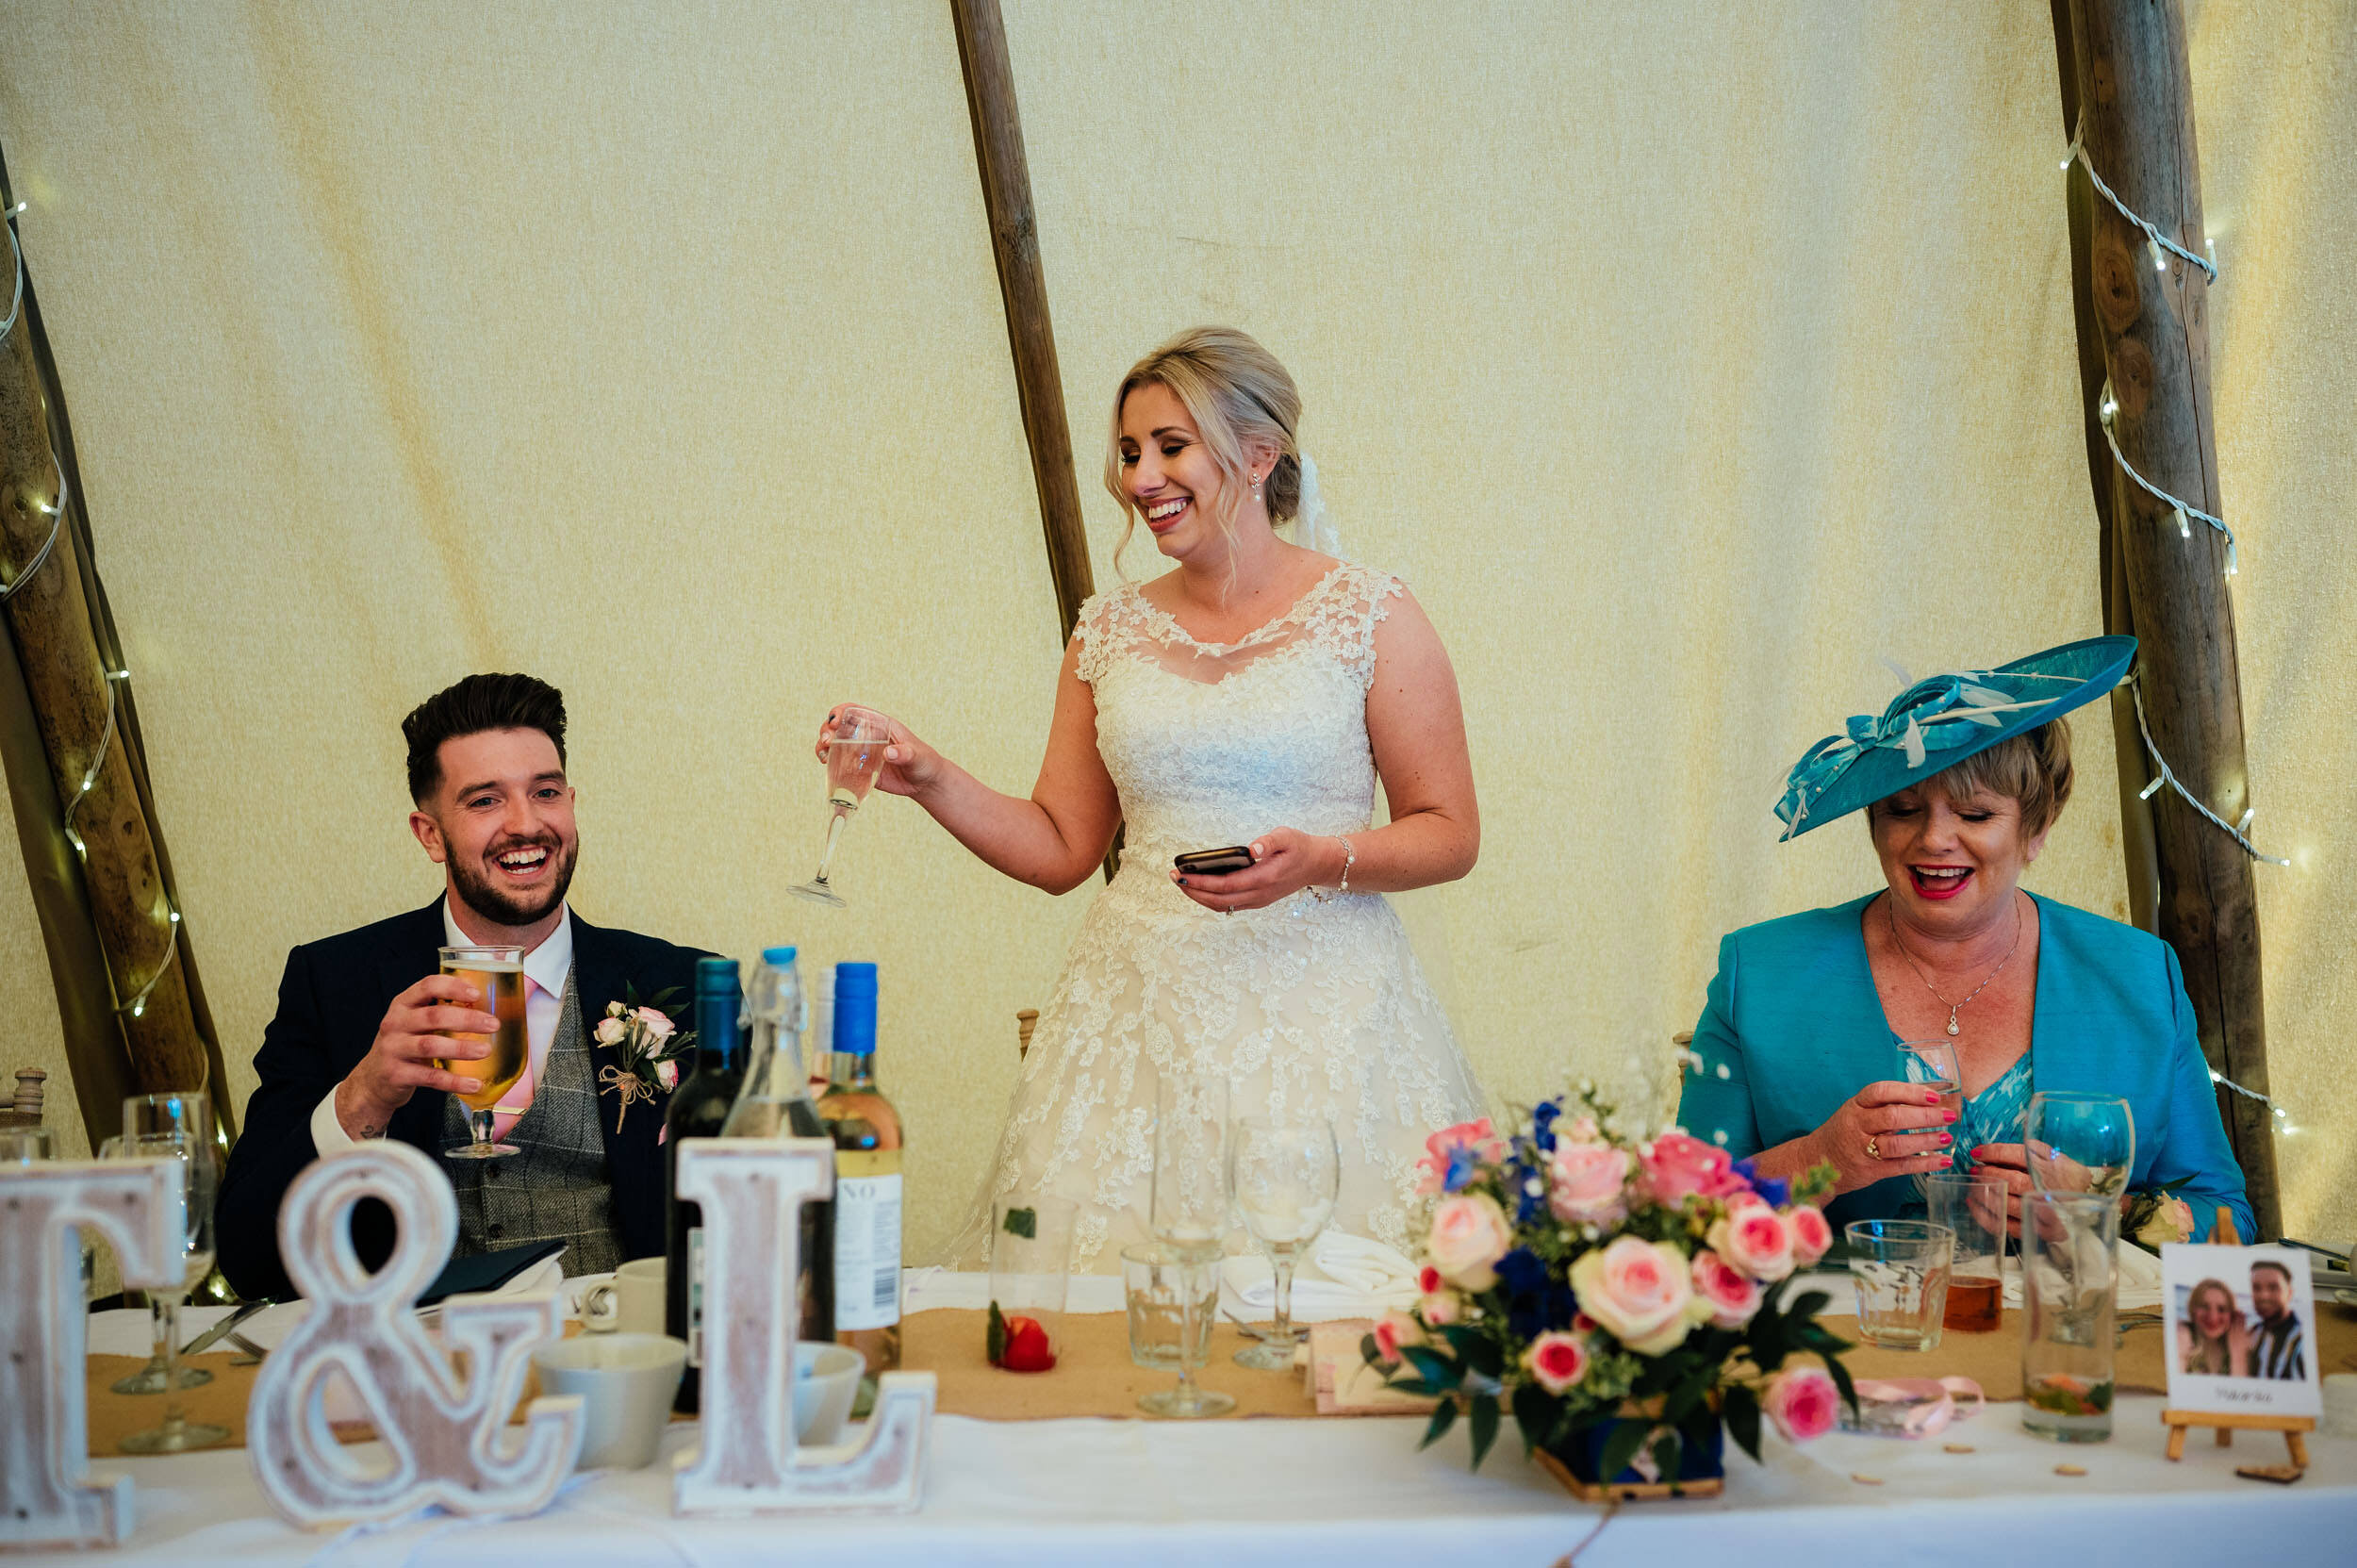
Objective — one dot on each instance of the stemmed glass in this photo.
(1284, 1181)
(855, 749)
(177, 1127)
(1190, 1219)
(2080, 1143)
(1933, 1064)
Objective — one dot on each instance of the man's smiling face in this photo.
(501, 822)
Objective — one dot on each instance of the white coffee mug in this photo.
(631, 1302)
(626, 1384)
(826, 1383)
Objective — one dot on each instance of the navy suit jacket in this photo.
(330, 1002)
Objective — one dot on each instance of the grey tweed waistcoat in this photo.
(559, 1187)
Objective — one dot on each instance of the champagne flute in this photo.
(498, 973)
(1190, 1218)
(1284, 1181)
(855, 751)
(2080, 1143)
(177, 1127)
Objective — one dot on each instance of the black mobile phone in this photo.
(1214, 863)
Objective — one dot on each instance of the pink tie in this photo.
(518, 1099)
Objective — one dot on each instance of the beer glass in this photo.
(1974, 1208)
(2071, 1300)
(499, 974)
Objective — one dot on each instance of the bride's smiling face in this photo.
(1170, 473)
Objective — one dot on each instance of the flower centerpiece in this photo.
(649, 1043)
(1617, 1297)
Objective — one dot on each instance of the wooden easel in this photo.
(2294, 1428)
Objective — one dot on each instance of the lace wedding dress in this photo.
(1311, 1004)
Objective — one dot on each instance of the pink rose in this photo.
(1585, 1182)
(610, 1031)
(1582, 1131)
(1429, 1281)
(659, 1026)
(1556, 1360)
(667, 1074)
(1812, 1238)
(1468, 1236)
(1754, 1238)
(2171, 1221)
(1802, 1403)
(1678, 1167)
(1477, 1136)
(1731, 1296)
(1638, 1290)
(1441, 1307)
(1392, 1330)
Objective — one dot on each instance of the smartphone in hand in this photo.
(1214, 863)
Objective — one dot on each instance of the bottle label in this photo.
(867, 1244)
(695, 1297)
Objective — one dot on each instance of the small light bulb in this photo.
(2184, 529)
(138, 1008)
(2110, 407)
(2159, 262)
(2244, 825)
(2152, 789)
(176, 916)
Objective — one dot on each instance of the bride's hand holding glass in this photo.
(1284, 861)
(909, 764)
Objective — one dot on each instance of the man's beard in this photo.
(479, 893)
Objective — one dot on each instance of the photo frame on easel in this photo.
(2237, 1326)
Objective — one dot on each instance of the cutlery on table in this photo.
(227, 1327)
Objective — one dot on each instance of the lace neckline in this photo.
(1290, 612)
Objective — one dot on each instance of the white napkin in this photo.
(1363, 1277)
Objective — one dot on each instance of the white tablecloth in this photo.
(1132, 1493)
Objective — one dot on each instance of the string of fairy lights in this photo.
(136, 1004)
(2161, 247)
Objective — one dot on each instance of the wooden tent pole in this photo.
(2133, 94)
(1015, 242)
(134, 1017)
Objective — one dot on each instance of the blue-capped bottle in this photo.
(868, 1148)
(700, 1107)
(775, 1103)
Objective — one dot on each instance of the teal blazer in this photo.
(1792, 1027)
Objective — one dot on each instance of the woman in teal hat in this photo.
(1960, 779)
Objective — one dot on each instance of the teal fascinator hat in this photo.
(1937, 724)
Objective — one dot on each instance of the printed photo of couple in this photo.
(2237, 1329)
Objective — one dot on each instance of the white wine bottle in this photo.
(868, 1145)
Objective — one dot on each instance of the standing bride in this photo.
(1251, 696)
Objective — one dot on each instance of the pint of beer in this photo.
(498, 973)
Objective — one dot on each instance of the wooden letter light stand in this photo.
(2294, 1428)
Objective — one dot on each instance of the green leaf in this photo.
(1666, 1455)
(1432, 1366)
(1536, 1412)
(1620, 1447)
(1842, 1381)
(1807, 1304)
(1443, 1417)
(1369, 1351)
(1416, 1386)
(1742, 1413)
(1023, 1223)
(1483, 1423)
(1689, 1394)
(1475, 1350)
(995, 1339)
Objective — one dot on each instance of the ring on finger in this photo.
(1874, 1148)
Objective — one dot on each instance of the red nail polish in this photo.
(1945, 1140)
(1948, 1116)
(1930, 1099)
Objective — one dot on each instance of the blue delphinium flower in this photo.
(1463, 1165)
(1542, 1124)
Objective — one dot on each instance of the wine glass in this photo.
(177, 1127)
(855, 750)
(1190, 1219)
(1933, 1064)
(1283, 1180)
(150, 1378)
(2080, 1143)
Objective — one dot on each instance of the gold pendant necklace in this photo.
(1952, 1007)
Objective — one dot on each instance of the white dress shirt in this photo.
(546, 969)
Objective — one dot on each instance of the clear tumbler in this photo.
(2069, 1295)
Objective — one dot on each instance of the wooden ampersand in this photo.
(44, 1439)
(441, 1429)
(751, 1191)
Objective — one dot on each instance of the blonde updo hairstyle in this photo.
(1239, 397)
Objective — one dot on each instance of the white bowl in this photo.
(826, 1383)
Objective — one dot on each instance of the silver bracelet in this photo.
(1350, 858)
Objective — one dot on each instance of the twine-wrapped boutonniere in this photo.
(649, 1044)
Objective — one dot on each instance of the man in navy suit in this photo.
(362, 1016)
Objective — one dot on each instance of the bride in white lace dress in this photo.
(1252, 696)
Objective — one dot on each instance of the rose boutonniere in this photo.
(649, 1043)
